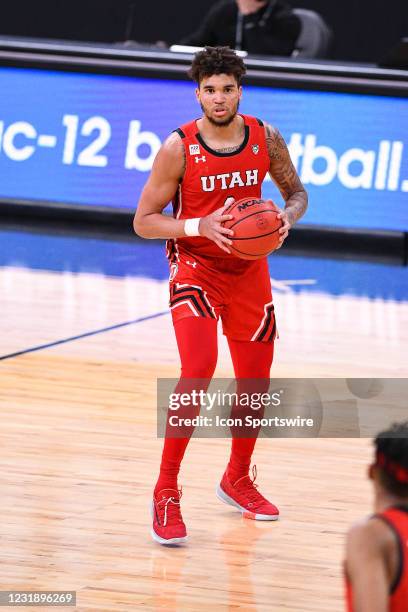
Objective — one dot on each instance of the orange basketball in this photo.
(256, 227)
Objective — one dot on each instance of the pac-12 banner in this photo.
(91, 139)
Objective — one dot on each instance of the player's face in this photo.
(219, 96)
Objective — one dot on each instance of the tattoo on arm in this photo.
(275, 143)
(284, 174)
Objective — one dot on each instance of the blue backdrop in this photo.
(91, 139)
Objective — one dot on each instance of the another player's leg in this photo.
(197, 344)
(252, 363)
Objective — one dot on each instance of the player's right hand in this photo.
(211, 226)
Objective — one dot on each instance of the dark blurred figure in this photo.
(80, 20)
(257, 26)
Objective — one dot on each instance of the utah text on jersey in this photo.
(229, 180)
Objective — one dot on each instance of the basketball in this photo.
(256, 227)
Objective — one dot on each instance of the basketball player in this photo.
(376, 563)
(203, 167)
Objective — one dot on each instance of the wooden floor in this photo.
(79, 453)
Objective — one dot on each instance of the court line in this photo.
(80, 336)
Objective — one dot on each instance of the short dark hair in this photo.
(216, 60)
(392, 458)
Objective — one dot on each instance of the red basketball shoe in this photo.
(244, 495)
(168, 526)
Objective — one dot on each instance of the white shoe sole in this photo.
(246, 513)
(163, 541)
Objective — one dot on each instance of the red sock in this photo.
(173, 453)
(197, 344)
(251, 360)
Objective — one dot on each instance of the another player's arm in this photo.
(366, 552)
(285, 177)
(166, 175)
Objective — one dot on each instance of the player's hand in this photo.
(211, 226)
(284, 230)
(247, 7)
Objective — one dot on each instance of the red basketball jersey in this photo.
(211, 177)
(397, 519)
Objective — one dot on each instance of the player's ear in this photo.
(197, 93)
(370, 471)
(240, 91)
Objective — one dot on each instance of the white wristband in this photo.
(191, 227)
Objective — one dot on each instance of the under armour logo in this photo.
(191, 263)
(198, 159)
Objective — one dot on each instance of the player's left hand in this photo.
(284, 230)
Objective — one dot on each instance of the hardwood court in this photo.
(80, 454)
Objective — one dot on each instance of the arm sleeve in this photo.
(276, 35)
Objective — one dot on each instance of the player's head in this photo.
(218, 72)
(390, 469)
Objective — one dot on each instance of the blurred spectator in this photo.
(79, 20)
(257, 26)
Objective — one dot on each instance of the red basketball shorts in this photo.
(235, 290)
